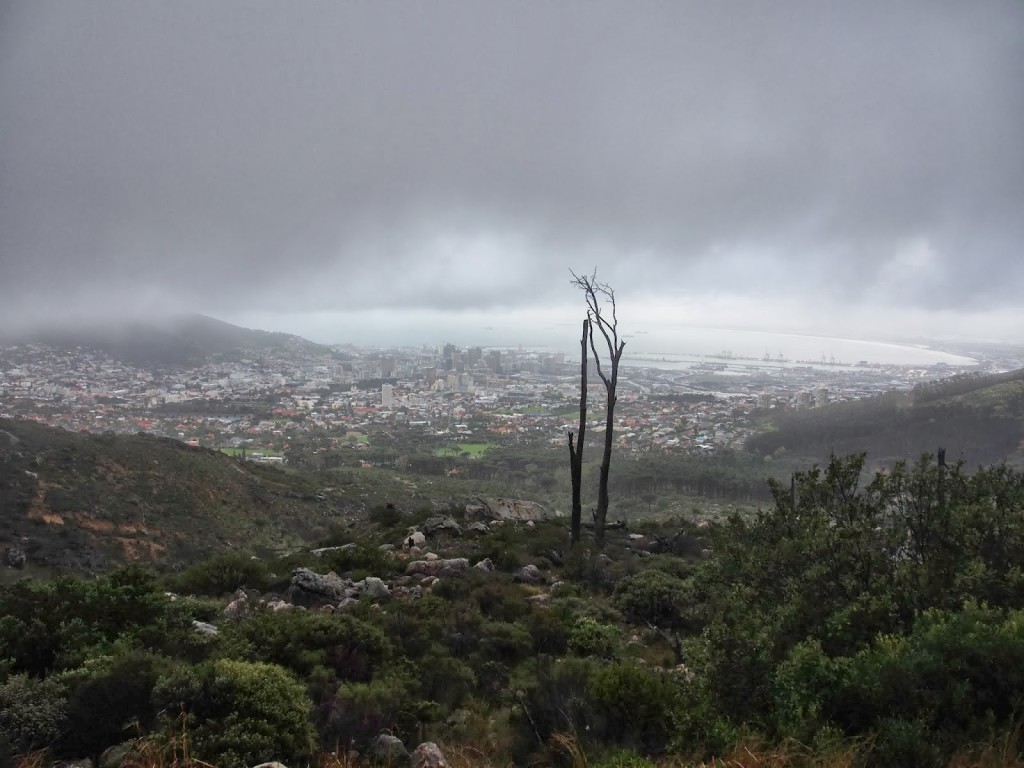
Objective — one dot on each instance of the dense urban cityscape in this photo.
(260, 400)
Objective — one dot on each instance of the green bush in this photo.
(504, 642)
(239, 713)
(32, 714)
(635, 705)
(107, 698)
(360, 711)
(302, 641)
(53, 625)
(223, 574)
(652, 597)
(588, 637)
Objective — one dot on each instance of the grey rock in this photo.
(15, 557)
(273, 764)
(486, 565)
(237, 608)
(343, 548)
(456, 566)
(389, 750)
(428, 755)
(202, 628)
(117, 755)
(529, 574)
(375, 589)
(479, 527)
(442, 523)
(508, 509)
(308, 587)
(415, 539)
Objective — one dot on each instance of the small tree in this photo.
(600, 304)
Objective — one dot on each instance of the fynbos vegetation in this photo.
(872, 621)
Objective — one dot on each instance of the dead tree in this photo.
(601, 300)
(576, 441)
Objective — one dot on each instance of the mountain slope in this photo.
(83, 502)
(979, 419)
(171, 341)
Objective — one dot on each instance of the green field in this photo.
(474, 450)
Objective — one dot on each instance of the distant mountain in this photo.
(82, 502)
(173, 341)
(977, 418)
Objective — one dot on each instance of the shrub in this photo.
(31, 714)
(304, 640)
(651, 597)
(239, 713)
(360, 711)
(588, 637)
(635, 706)
(222, 574)
(105, 697)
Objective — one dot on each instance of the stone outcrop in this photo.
(389, 750)
(441, 524)
(309, 588)
(507, 509)
(529, 574)
(428, 755)
(441, 569)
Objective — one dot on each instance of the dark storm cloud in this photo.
(233, 155)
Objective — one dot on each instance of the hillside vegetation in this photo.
(83, 502)
(848, 623)
(977, 418)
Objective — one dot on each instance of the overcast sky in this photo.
(354, 169)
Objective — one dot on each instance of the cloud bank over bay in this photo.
(338, 168)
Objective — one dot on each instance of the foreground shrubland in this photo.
(852, 622)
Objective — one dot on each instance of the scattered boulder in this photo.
(389, 750)
(456, 566)
(443, 523)
(343, 548)
(415, 539)
(117, 755)
(486, 565)
(15, 557)
(374, 589)
(480, 528)
(309, 588)
(237, 609)
(273, 764)
(529, 574)
(508, 509)
(428, 755)
(202, 628)
(277, 604)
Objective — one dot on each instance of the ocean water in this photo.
(679, 347)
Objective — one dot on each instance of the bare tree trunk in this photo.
(576, 451)
(600, 296)
(601, 513)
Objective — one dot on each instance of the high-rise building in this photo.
(387, 396)
(821, 397)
